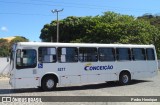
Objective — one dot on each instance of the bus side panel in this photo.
(29, 83)
(137, 69)
(69, 80)
(26, 78)
(93, 72)
(97, 78)
(143, 69)
(114, 73)
(69, 73)
(152, 69)
(122, 66)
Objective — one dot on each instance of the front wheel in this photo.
(49, 83)
(124, 78)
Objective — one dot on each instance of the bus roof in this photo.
(49, 44)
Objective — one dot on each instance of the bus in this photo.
(48, 65)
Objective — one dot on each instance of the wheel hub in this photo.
(50, 83)
(125, 78)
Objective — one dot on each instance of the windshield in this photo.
(26, 58)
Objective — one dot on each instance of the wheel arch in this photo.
(52, 75)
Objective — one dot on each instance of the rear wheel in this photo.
(124, 78)
(49, 83)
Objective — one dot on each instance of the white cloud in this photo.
(4, 29)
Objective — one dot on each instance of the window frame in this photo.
(47, 54)
(113, 54)
(84, 58)
(153, 54)
(118, 55)
(21, 60)
(59, 55)
(143, 52)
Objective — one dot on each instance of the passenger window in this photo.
(150, 54)
(47, 54)
(67, 54)
(88, 54)
(106, 54)
(138, 54)
(26, 58)
(123, 54)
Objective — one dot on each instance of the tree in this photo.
(71, 28)
(108, 28)
(4, 48)
(18, 39)
(153, 19)
(5, 45)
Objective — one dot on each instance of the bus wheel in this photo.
(124, 78)
(49, 83)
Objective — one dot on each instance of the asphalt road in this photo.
(146, 87)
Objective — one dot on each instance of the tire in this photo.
(49, 83)
(124, 78)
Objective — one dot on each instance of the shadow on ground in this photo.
(71, 88)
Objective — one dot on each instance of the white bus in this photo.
(39, 64)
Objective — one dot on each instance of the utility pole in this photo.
(57, 11)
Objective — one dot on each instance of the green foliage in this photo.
(18, 39)
(107, 28)
(4, 48)
(154, 20)
(5, 45)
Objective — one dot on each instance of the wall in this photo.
(4, 66)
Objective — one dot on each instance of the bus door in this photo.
(26, 68)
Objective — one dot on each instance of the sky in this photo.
(27, 17)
